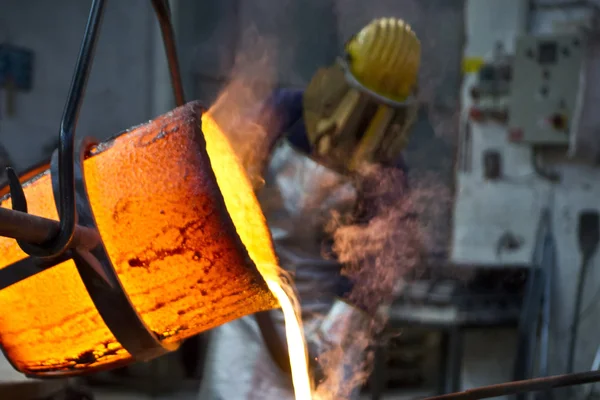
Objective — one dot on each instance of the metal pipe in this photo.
(67, 209)
(163, 13)
(548, 268)
(530, 385)
(66, 149)
(34, 229)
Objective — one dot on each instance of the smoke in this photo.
(377, 252)
(346, 366)
(237, 107)
(380, 250)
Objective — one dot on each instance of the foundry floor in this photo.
(113, 394)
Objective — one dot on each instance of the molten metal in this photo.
(250, 226)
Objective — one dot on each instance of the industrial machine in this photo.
(527, 115)
(527, 193)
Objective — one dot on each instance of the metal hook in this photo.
(66, 203)
(66, 210)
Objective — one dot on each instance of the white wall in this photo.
(120, 91)
(491, 21)
(487, 22)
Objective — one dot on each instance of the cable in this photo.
(583, 315)
(540, 171)
(587, 311)
(589, 236)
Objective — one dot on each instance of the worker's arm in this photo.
(340, 345)
(281, 115)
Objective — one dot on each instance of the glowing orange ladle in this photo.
(184, 233)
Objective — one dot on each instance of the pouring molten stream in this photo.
(250, 226)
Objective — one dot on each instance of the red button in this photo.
(559, 122)
(515, 135)
(476, 114)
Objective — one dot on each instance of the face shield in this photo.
(361, 109)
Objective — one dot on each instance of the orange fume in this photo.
(185, 234)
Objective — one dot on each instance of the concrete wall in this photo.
(121, 87)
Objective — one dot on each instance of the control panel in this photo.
(544, 88)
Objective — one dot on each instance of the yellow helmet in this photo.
(361, 109)
(385, 56)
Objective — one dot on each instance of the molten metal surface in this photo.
(170, 231)
(250, 226)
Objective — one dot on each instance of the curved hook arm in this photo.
(66, 150)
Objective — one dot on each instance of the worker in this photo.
(355, 113)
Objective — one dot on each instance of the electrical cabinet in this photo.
(545, 88)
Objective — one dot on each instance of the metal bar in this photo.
(163, 13)
(64, 236)
(454, 360)
(34, 229)
(548, 266)
(28, 267)
(531, 385)
(66, 149)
